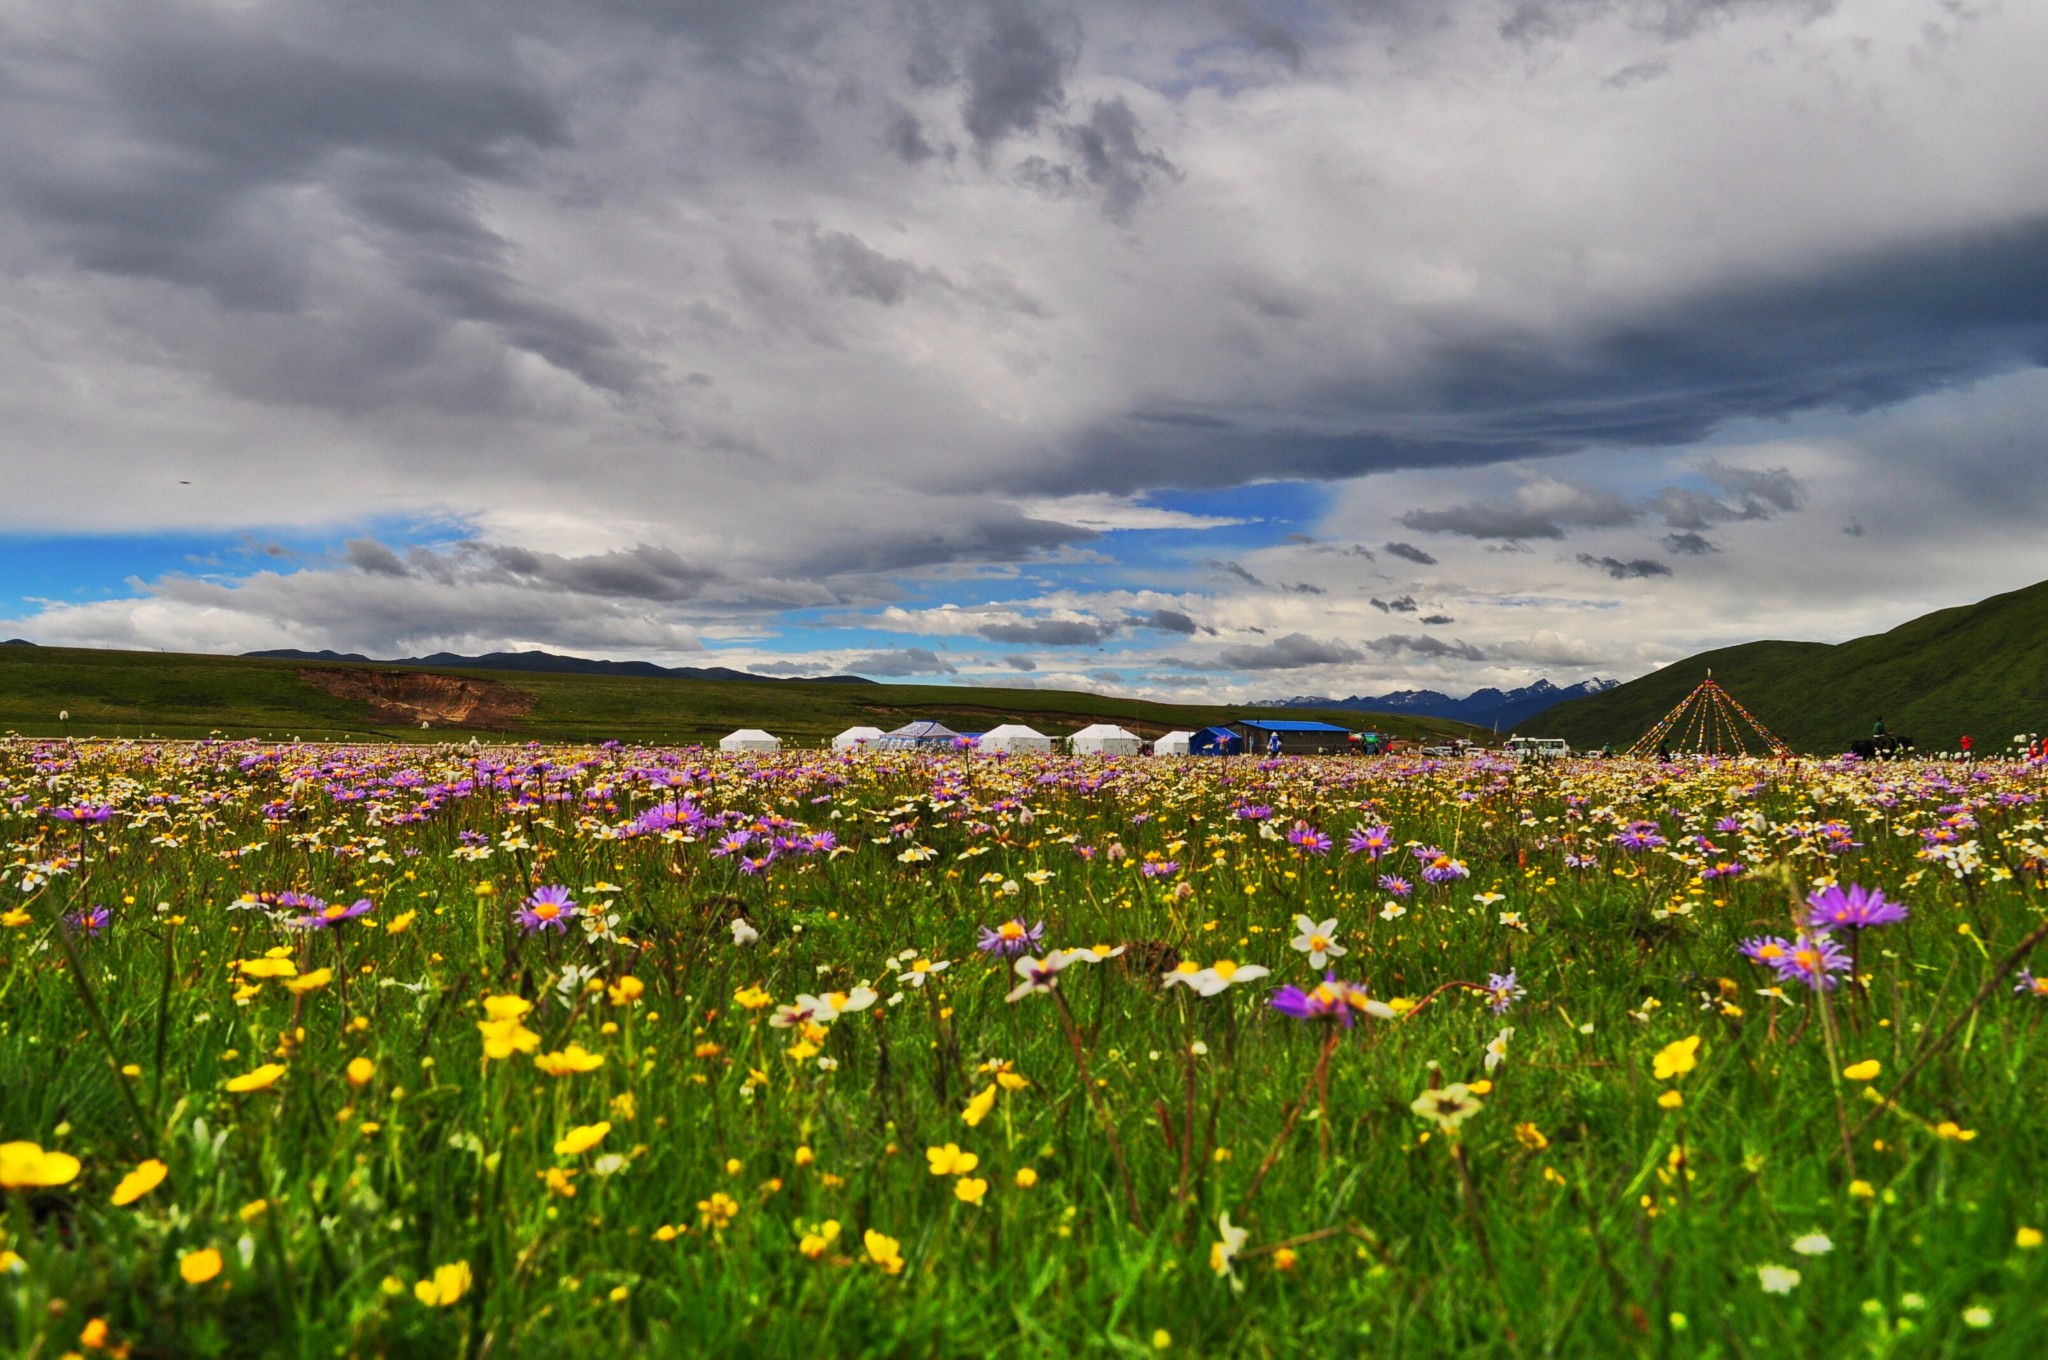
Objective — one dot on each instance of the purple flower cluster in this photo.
(1331, 1000)
(1502, 991)
(88, 921)
(320, 916)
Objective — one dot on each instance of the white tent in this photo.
(1172, 744)
(1104, 739)
(751, 739)
(1015, 739)
(856, 738)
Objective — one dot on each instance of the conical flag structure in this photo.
(1708, 721)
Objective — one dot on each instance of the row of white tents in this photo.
(1105, 739)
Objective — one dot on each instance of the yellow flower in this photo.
(1162, 1339)
(559, 1182)
(978, 1108)
(360, 1070)
(507, 1007)
(2026, 1239)
(819, 1240)
(1026, 1177)
(718, 1210)
(753, 998)
(503, 1034)
(950, 1160)
(1862, 1190)
(575, 1058)
(140, 1182)
(1531, 1137)
(804, 1156)
(449, 1284)
(1670, 1100)
(1676, 1059)
(626, 991)
(400, 923)
(94, 1335)
(885, 1252)
(1866, 1070)
(1286, 1259)
(197, 1267)
(262, 1079)
(1950, 1130)
(581, 1139)
(268, 968)
(1010, 1081)
(310, 982)
(25, 1166)
(253, 1210)
(970, 1189)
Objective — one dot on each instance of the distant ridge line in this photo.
(549, 663)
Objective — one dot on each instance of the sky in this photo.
(1200, 349)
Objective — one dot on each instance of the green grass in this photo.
(1979, 670)
(140, 694)
(1572, 1214)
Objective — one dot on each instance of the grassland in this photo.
(138, 694)
(717, 1107)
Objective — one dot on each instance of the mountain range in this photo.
(1500, 710)
(551, 664)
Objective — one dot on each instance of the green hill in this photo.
(135, 694)
(1979, 669)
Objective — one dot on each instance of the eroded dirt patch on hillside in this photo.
(443, 700)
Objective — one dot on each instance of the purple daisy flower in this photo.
(2029, 985)
(1331, 1000)
(326, 918)
(1395, 884)
(1639, 836)
(1010, 938)
(1374, 842)
(1308, 840)
(1729, 824)
(549, 908)
(1767, 950)
(83, 812)
(1502, 991)
(88, 922)
(1855, 908)
(1814, 960)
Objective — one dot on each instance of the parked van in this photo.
(1547, 748)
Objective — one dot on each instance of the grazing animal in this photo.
(1887, 747)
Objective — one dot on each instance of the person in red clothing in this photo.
(1967, 744)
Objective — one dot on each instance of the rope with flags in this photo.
(1709, 721)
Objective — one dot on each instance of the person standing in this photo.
(1967, 745)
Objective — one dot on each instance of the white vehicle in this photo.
(1545, 748)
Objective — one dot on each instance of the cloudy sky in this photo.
(1237, 348)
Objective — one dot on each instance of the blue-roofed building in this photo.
(1295, 738)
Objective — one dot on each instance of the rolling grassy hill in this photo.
(134, 694)
(1980, 669)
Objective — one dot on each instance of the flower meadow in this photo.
(545, 1050)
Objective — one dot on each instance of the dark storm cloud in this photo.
(1425, 646)
(1403, 604)
(902, 661)
(978, 533)
(1289, 653)
(1016, 70)
(851, 267)
(1691, 544)
(1756, 495)
(640, 573)
(1855, 334)
(1111, 157)
(1632, 570)
(1546, 514)
(1410, 552)
(368, 555)
(1166, 621)
(1052, 632)
(1436, 620)
(1536, 21)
